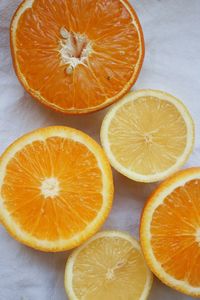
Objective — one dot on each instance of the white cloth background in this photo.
(172, 63)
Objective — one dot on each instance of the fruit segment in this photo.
(56, 188)
(176, 223)
(170, 232)
(77, 56)
(110, 266)
(147, 135)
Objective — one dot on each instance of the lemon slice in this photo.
(148, 135)
(110, 266)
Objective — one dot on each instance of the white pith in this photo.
(74, 49)
(197, 237)
(50, 187)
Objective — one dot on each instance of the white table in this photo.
(172, 63)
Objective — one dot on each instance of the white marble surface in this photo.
(172, 63)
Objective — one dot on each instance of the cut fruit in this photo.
(148, 135)
(56, 188)
(110, 266)
(77, 56)
(170, 232)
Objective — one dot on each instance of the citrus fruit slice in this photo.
(148, 135)
(110, 266)
(56, 188)
(170, 232)
(77, 56)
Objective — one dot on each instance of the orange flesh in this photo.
(175, 230)
(110, 65)
(80, 188)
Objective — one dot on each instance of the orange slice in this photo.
(77, 56)
(148, 135)
(170, 232)
(56, 188)
(110, 266)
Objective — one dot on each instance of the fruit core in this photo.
(198, 236)
(148, 138)
(74, 49)
(110, 274)
(50, 187)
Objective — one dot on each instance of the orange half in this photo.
(76, 56)
(170, 232)
(56, 188)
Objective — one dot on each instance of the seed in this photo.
(64, 33)
(69, 70)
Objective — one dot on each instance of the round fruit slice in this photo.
(170, 232)
(77, 56)
(56, 188)
(110, 266)
(148, 135)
